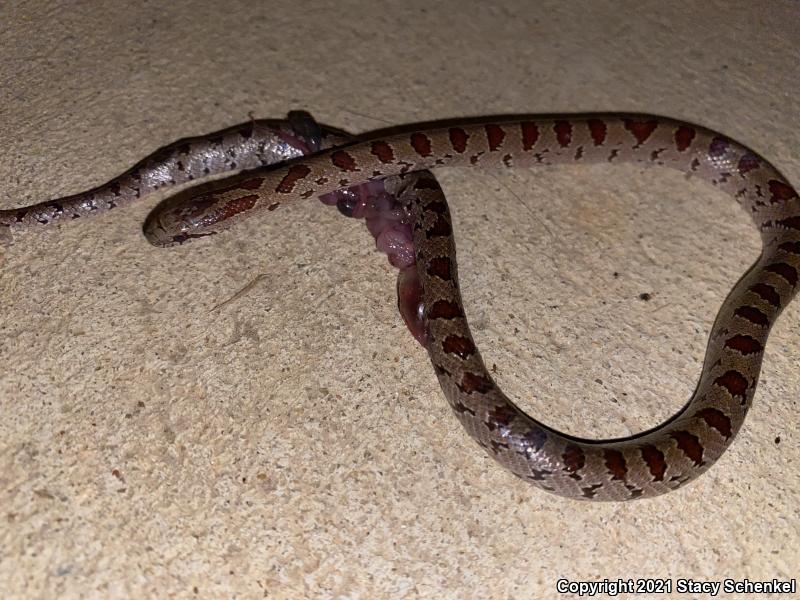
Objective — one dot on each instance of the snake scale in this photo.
(642, 465)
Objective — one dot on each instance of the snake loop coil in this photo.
(386, 179)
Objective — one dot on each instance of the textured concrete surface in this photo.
(295, 444)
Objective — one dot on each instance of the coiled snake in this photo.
(409, 213)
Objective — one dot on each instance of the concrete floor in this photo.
(296, 443)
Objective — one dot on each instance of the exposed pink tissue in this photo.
(330, 199)
(396, 242)
(409, 303)
(389, 224)
(380, 203)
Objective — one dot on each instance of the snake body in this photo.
(642, 465)
(250, 145)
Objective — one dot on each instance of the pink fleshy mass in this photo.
(409, 303)
(389, 224)
(395, 241)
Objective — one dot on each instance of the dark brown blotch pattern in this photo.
(236, 206)
(294, 174)
(767, 293)
(734, 382)
(574, 460)
(690, 445)
(421, 144)
(788, 272)
(752, 314)
(655, 461)
(383, 151)
(614, 461)
(495, 136)
(748, 162)
(563, 130)
(780, 191)
(344, 161)
(440, 267)
(716, 419)
(598, 131)
(458, 139)
(790, 247)
(445, 309)
(530, 135)
(641, 130)
(459, 345)
(471, 384)
(684, 136)
(744, 344)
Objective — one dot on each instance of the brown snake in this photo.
(642, 465)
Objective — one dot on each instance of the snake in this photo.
(388, 176)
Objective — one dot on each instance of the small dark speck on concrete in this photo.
(778, 440)
(644, 296)
(616, 274)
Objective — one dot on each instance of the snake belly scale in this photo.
(639, 466)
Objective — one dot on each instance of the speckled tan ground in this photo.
(295, 444)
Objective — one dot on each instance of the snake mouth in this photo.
(189, 214)
(163, 228)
